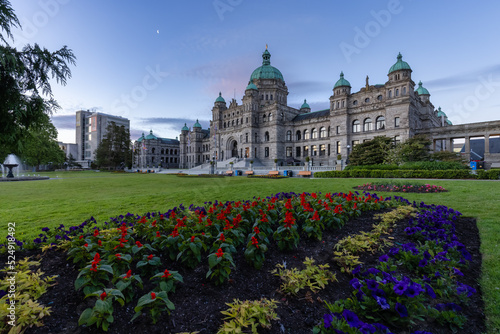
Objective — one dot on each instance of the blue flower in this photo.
(393, 251)
(384, 258)
(457, 272)
(400, 288)
(355, 283)
(373, 271)
(413, 290)
(45, 229)
(430, 291)
(422, 262)
(328, 318)
(382, 302)
(351, 318)
(401, 309)
(37, 240)
(371, 284)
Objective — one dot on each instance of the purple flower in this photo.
(380, 327)
(351, 318)
(371, 284)
(373, 271)
(430, 291)
(356, 270)
(462, 288)
(3, 293)
(401, 309)
(366, 328)
(457, 272)
(45, 229)
(384, 258)
(400, 288)
(413, 290)
(328, 318)
(393, 251)
(355, 283)
(422, 262)
(454, 307)
(382, 302)
(37, 241)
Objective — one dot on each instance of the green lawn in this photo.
(75, 196)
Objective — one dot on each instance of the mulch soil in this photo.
(198, 302)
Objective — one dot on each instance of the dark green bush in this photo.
(434, 165)
(372, 167)
(425, 174)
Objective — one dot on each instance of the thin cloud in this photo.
(64, 122)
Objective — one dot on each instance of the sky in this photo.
(162, 63)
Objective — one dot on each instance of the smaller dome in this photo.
(400, 65)
(251, 85)
(151, 136)
(185, 128)
(141, 138)
(305, 105)
(342, 82)
(421, 90)
(197, 125)
(449, 122)
(220, 98)
(440, 112)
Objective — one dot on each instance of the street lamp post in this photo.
(347, 159)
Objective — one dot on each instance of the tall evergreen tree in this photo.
(25, 92)
(114, 151)
(371, 152)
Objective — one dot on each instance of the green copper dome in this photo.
(151, 136)
(400, 65)
(251, 85)
(220, 98)
(449, 122)
(197, 125)
(342, 82)
(185, 128)
(421, 90)
(305, 105)
(440, 112)
(141, 138)
(266, 71)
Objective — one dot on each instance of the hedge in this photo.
(492, 174)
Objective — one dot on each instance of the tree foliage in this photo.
(25, 92)
(114, 151)
(371, 152)
(40, 145)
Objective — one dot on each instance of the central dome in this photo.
(266, 71)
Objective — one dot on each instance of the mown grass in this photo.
(75, 196)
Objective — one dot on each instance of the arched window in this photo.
(266, 136)
(289, 135)
(237, 121)
(246, 137)
(153, 150)
(322, 132)
(314, 133)
(367, 125)
(264, 118)
(379, 97)
(298, 135)
(367, 100)
(271, 96)
(390, 93)
(404, 90)
(397, 139)
(224, 125)
(356, 126)
(314, 150)
(162, 151)
(233, 122)
(306, 134)
(380, 125)
(270, 117)
(397, 92)
(355, 102)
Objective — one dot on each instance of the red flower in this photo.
(255, 242)
(99, 242)
(153, 295)
(222, 238)
(86, 245)
(314, 195)
(138, 243)
(219, 253)
(315, 216)
(96, 233)
(209, 222)
(129, 273)
(94, 267)
(166, 274)
(153, 223)
(355, 206)
(118, 256)
(256, 230)
(80, 237)
(158, 234)
(143, 220)
(103, 295)
(172, 214)
(97, 258)
(289, 220)
(288, 204)
(161, 217)
(150, 257)
(174, 233)
(192, 238)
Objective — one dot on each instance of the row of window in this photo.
(368, 124)
(341, 104)
(165, 151)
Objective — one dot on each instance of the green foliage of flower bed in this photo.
(423, 174)
(400, 186)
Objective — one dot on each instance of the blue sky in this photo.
(162, 63)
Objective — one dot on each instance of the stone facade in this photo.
(154, 152)
(264, 128)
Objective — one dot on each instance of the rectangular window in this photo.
(396, 122)
(338, 129)
(339, 148)
(355, 142)
(288, 152)
(322, 149)
(297, 151)
(314, 150)
(329, 149)
(306, 151)
(266, 152)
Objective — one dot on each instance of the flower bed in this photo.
(180, 267)
(405, 187)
